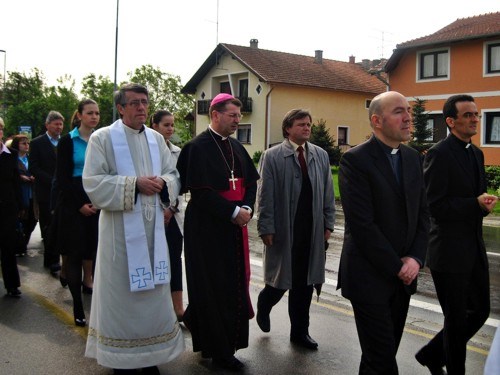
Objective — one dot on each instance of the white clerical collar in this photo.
(212, 129)
(394, 151)
(468, 145)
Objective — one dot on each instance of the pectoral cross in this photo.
(233, 180)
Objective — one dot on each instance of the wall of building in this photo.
(336, 108)
(466, 76)
(272, 102)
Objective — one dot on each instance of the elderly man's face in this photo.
(55, 128)
(135, 110)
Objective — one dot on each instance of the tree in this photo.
(29, 100)
(165, 93)
(25, 101)
(421, 135)
(100, 89)
(63, 99)
(321, 137)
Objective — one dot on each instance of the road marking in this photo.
(59, 313)
(413, 302)
(348, 312)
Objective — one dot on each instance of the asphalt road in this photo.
(37, 334)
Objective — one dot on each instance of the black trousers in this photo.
(380, 328)
(8, 260)
(465, 301)
(299, 302)
(174, 241)
(50, 254)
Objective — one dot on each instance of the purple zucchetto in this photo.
(221, 98)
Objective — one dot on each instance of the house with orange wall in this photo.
(461, 58)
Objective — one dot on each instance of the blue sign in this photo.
(25, 129)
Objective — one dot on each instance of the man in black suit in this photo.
(42, 165)
(456, 192)
(386, 231)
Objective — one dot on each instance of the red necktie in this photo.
(302, 160)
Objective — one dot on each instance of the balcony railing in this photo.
(204, 105)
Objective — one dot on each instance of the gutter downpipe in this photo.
(268, 120)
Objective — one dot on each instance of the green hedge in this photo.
(493, 176)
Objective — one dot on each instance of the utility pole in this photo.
(4, 102)
(116, 57)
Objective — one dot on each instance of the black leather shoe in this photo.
(152, 370)
(80, 322)
(305, 341)
(263, 321)
(434, 368)
(230, 363)
(79, 316)
(14, 292)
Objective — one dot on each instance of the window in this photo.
(430, 128)
(225, 88)
(342, 137)
(439, 128)
(244, 133)
(493, 58)
(492, 128)
(433, 64)
(243, 91)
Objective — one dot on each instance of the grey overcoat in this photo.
(278, 194)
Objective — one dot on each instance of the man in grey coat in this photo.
(296, 217)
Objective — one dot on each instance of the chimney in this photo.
(352, 59)
(254, 43)
(318, 56)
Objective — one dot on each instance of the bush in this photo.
(256, 157)
(320, 136)
(493, 176)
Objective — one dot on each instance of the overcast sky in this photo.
(78, 37)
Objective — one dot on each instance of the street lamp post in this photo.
(4, 103)
(116, 56)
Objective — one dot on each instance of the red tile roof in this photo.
(475, 27)
(480, 26)
(291, 69)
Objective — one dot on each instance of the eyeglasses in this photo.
(234, 116)
(137, 103)
(470, 115)
(24, 143)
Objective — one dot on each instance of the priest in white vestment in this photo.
(132, 320)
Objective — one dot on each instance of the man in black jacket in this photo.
(456, 192)
(42, 165)
(386, 231)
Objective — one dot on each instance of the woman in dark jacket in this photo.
(27, 221)
(10, 205)
(76, 218)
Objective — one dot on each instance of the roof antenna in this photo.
(217, 27)
(217, 36)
